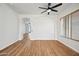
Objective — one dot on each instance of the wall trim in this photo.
(69, 46)
(1, 49)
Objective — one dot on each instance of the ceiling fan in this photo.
(49, 8)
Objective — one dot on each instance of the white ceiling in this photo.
(32, 8)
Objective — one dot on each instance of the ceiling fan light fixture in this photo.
(48, 10)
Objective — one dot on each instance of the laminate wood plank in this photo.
(28, 47)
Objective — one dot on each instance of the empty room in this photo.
(39, 29)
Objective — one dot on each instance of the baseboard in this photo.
(69, 46)
(2, 49)
(42, 39)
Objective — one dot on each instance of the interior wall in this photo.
(8, 26)
(42, 26)
(71, 43)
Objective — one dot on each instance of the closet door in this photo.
(75, 25)
(67, 26)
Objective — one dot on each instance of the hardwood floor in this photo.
(38, 48)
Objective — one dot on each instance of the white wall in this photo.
(72, 44)
(42, 26)
(8, 26)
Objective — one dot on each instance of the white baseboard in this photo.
(8, 45)
(69, 46)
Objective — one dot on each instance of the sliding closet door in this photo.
(67, 26)
(63, 30)
(75, 25)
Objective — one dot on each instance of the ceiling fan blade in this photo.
(44, 11)
(54, 10)
(48, 13)
(57, 5)
(42, 8)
